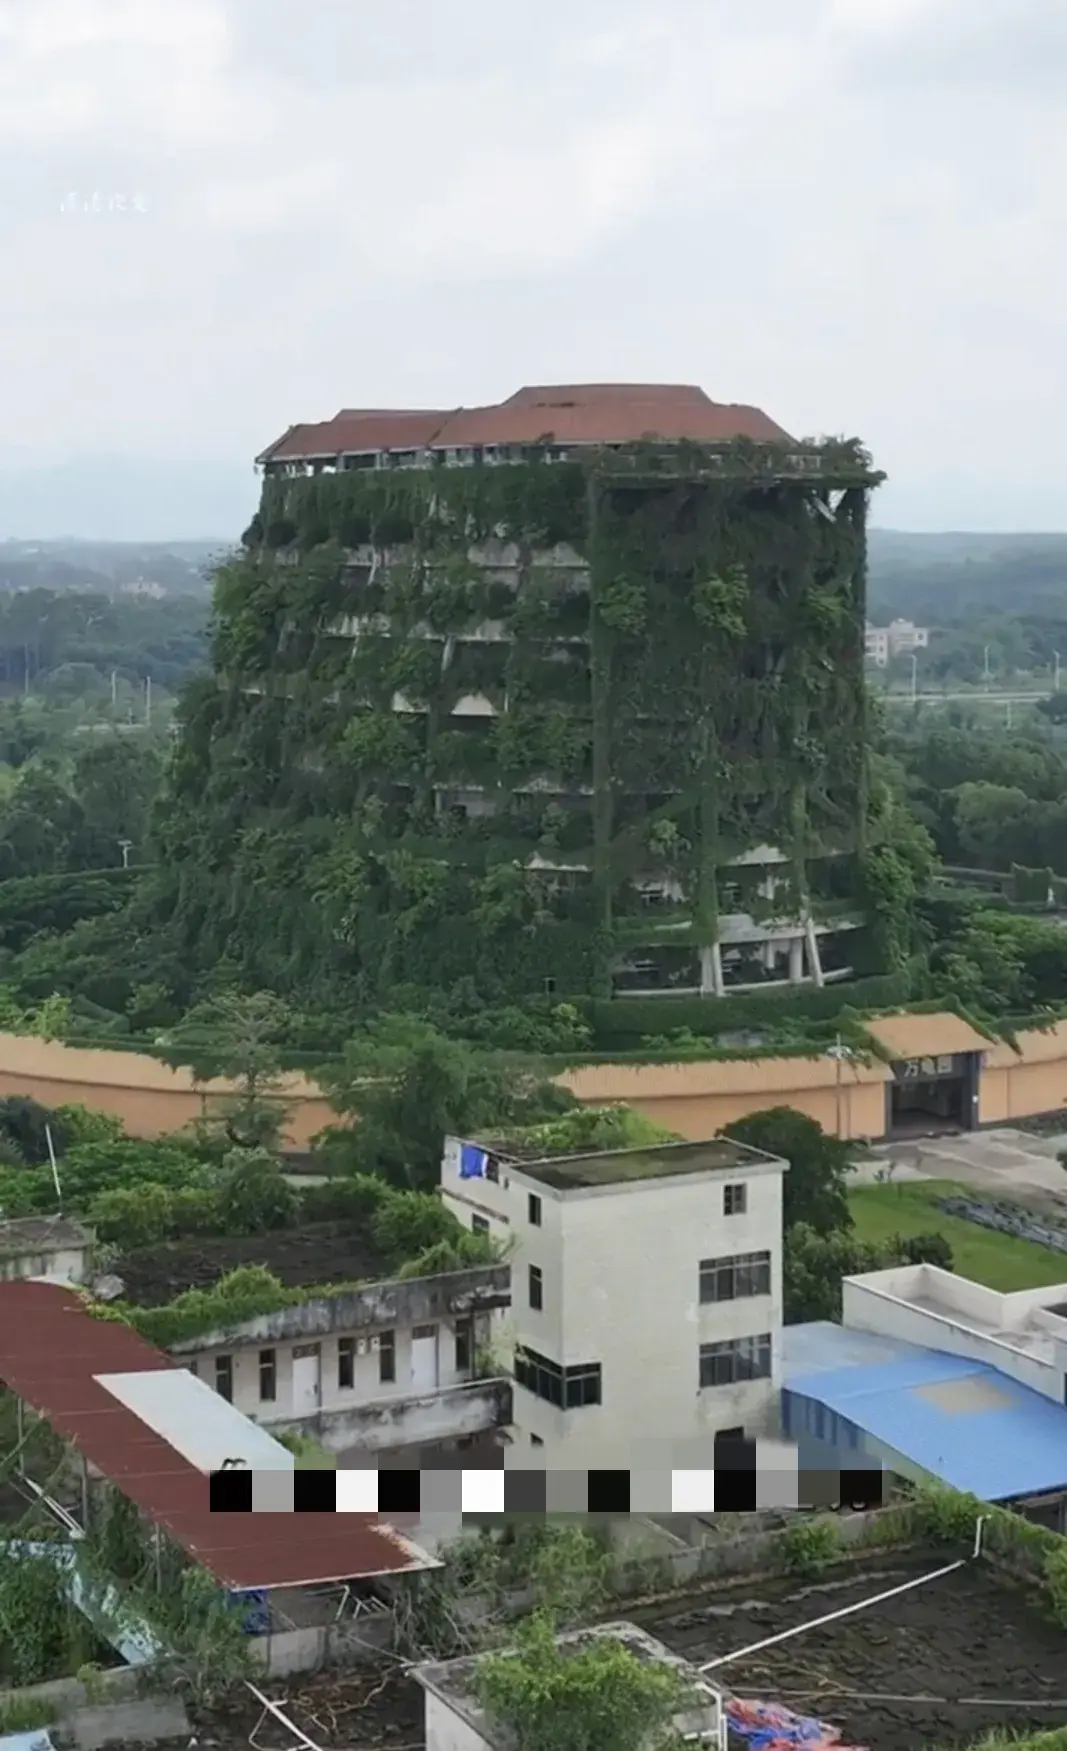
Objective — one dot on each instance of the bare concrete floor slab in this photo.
(1003, 1163)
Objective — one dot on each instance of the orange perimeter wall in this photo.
(695, 1099)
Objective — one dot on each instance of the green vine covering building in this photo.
(562, 697)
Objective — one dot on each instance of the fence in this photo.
(1009, 1219)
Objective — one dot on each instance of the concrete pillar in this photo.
(811, 943)
(796, 960)
(711, 980)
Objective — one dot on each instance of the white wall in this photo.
(66, 1266)
(367, 1387)
(620, 1270)
(447, 1731)
(870, 1305)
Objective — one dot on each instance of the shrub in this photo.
(407, 1223)
(255, 1197)
(811, 1545)
(1056, 1582)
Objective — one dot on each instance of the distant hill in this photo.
(895, 549)
(180, 568)
(949, 578)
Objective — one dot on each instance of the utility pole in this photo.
(148, 700)
(838, 1052)
(1056, 671)
(914, 678)
(985, 665)
(125, 846)
(114, 688)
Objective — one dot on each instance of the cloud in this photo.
(848, 212)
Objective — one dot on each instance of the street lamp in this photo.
(841, 1055)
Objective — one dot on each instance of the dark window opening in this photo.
(567, 1388)
(387, 1357)
(533, 1210)
(739, 1360)
(224, 1377)
(464, 1346)
(583, 1385)
(734, 1200)
(268, 1376)
(537, 1289)
(480, 1224)
(734, 1279)
(346, 1363)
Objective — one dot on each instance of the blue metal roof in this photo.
(962, 1421)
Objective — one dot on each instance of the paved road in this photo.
(1005, 1163)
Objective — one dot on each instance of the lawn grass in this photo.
(1000, 1261)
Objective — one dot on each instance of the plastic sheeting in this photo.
(769, 1727)
(38, 1741)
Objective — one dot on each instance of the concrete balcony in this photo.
(374, 1307)
(474, 1407)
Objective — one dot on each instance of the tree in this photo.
(815, 1265)
(815, 1188)
(596, 1696)
(238, 1038)
(255, 1195)
(408, 1086)
(115, 781)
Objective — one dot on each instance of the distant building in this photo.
(54, 1247)
(931, 1375)
(646, 1304)
(901, 638)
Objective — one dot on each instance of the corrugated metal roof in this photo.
(582, 413)
(960, 1420)
(51, 1351)
(926, 1036)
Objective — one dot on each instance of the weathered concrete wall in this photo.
(143, 1720)
(411, 1422)
(336, 1644)
(112, 1715)
(380, 1306)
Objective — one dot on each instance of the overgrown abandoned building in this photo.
(577, 681)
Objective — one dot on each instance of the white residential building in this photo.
(380, 1368)
(646, 1302)
(1023, 1334)
(901, 638)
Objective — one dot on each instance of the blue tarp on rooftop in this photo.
(962, 1421)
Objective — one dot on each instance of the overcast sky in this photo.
(849, 212)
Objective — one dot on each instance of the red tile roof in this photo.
(51, 1348)
(585, 413)
(355, 429)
